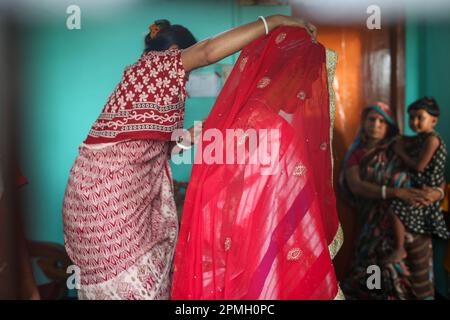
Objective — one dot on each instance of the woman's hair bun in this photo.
(162, 34)
(163, 23)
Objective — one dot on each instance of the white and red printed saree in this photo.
(120, 222)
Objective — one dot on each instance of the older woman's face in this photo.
(375, 126)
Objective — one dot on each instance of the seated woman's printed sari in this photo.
(375, 241)
(265, 229)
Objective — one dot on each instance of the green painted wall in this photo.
(67, 76)
(428, 73)
(428, 70)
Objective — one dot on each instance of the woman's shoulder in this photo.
(355, 156)
(168, 61)
(153, 65)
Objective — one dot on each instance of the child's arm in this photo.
(428, 150)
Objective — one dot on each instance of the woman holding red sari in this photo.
(120, 221)
(265, 229)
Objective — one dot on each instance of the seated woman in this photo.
(369, 180)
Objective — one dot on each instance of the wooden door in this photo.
(370, 68)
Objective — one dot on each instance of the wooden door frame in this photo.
(397, 37)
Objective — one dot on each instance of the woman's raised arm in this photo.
(216, 48)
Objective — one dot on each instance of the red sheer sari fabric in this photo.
(258, 230)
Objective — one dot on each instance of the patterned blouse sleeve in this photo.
(148, 102)
(163, 76)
